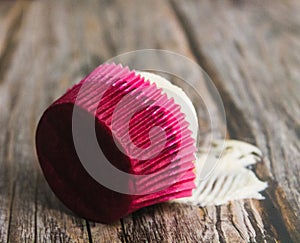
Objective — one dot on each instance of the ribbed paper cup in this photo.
(139, 130)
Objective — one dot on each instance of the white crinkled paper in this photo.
(231, 179)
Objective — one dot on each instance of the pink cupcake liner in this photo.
(172, 165)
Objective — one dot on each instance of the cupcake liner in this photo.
(143, 131)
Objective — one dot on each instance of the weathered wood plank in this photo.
(237, 222)
(10, 13)
(34, 213)
(251, 49)
(70, 39)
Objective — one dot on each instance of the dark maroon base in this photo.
(65, 173)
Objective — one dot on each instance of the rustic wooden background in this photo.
(251, 49)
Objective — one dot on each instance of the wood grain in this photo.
(32, 213)
(251, 51)
(10, 15)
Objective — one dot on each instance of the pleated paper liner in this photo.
(155, 95)
(125, 131)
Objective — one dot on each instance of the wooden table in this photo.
(251, 50)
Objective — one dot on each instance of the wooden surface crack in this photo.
(89, 231)
(124, 238)
(236, 226)
(221, 235)
(11, 210)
